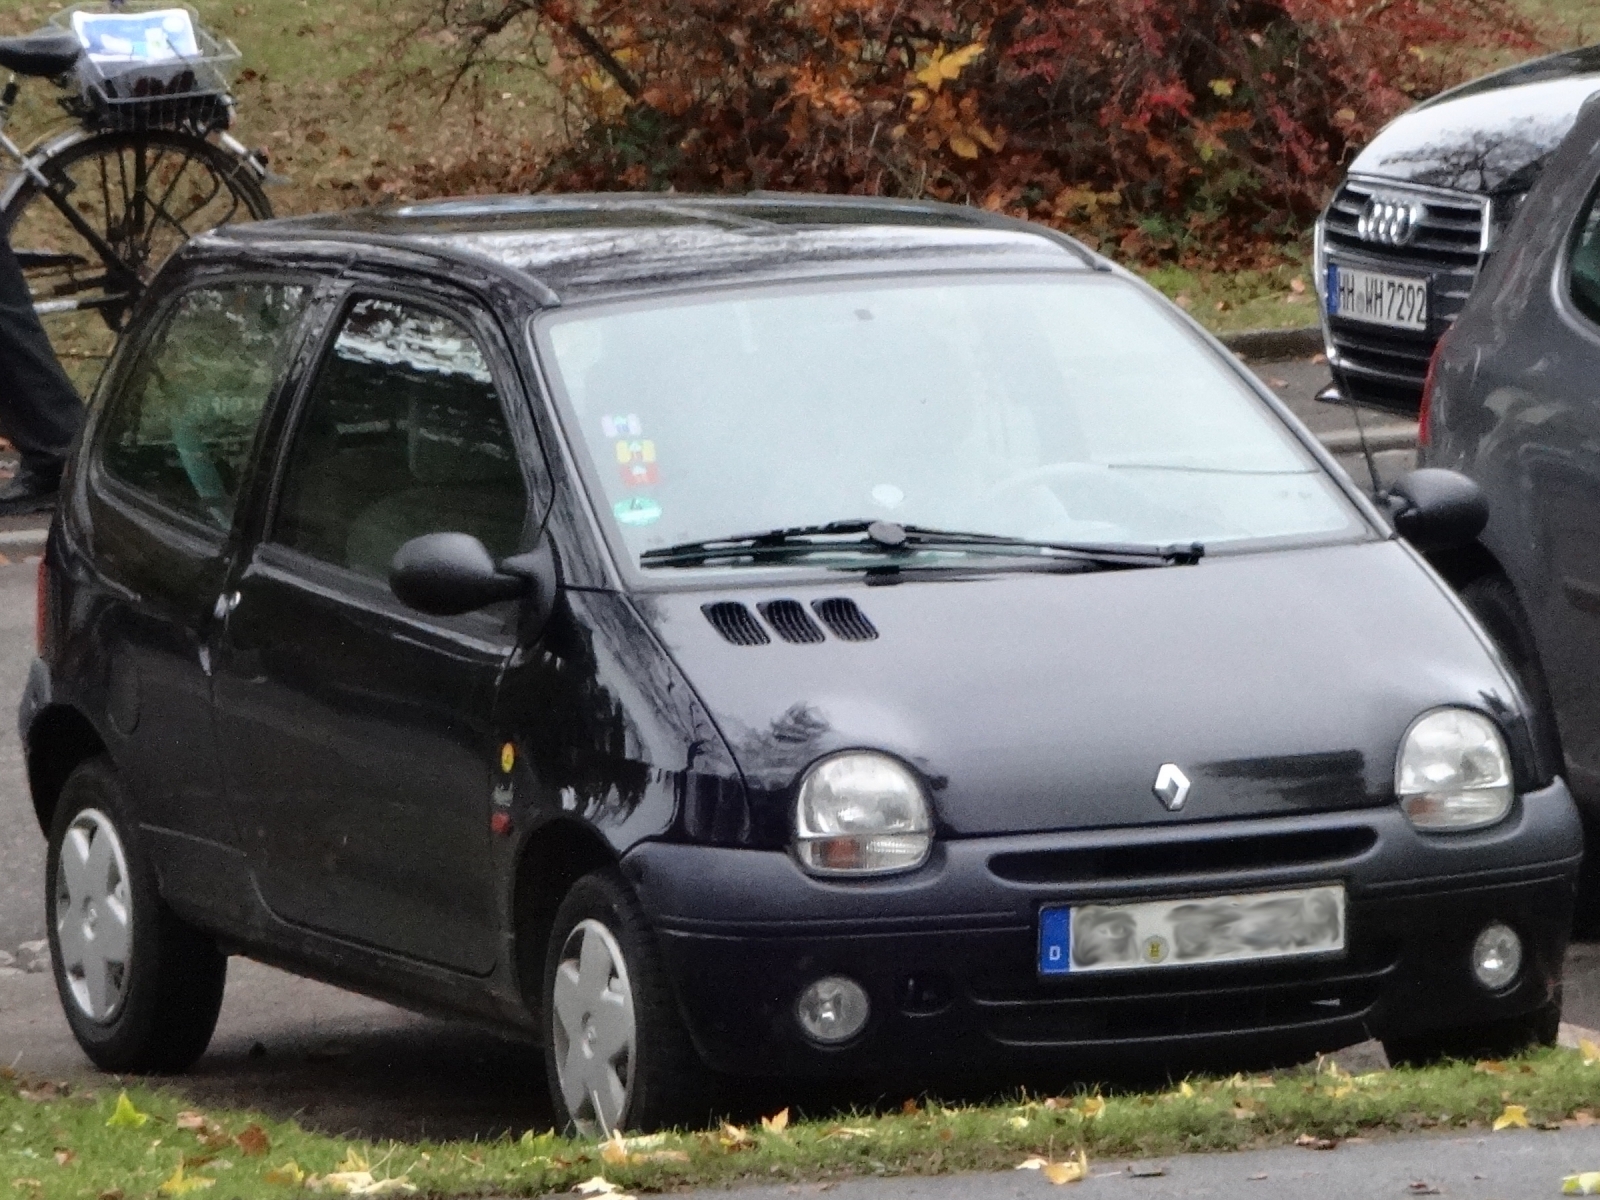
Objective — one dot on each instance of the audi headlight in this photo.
(1453, 772)
(861, 813)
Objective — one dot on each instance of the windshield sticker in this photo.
(618, 427)
(640, 474)
(888, 495)
(639, 510)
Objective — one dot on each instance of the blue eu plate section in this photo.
(1055, 941)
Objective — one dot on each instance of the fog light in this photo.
(1496, 956)
(833, 1010)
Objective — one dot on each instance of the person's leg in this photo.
(39, 408)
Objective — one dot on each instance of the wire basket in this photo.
(150, 65)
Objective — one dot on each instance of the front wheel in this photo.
(141, 990)
(617, 1054)
(1492, 1039)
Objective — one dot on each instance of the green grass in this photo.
(57, 1142)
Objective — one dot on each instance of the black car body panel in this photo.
(1465, 159)
(393, 803)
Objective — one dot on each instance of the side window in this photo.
(182, 426)
(1585, 280)
(403, 434)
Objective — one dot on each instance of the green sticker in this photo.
(639, 510)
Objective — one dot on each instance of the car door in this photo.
(169, 455)
(356, 733)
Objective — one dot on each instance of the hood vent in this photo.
(791, 621)
(845, 620)
(734, 622)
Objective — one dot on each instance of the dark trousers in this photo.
(39, 408)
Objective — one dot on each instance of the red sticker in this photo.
(640, 474)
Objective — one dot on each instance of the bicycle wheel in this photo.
(145, 193)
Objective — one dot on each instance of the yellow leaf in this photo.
(1222, 87)
(920, 100)
(614, 1150)
(1031, 1164)
(1018, 1122)
(1586, 1184)
(1590, 1052)
(1067, 1172)
(734, 1136)
(1093, 1108)
(776, 1123)
(354, 1160)
(951, 65)
(1184, 1089)
(964, 146)
(361, 1183)
(931, 76)
(179, 1184)
(1514, 1115)
(289, 1174)
(599, 1185)
(125, 1115)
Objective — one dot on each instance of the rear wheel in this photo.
(140, 989)
(145, 193)
(617, 1054)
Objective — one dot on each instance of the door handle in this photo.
(225, 605)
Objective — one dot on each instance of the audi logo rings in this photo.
(1389, 221)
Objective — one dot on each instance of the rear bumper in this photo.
(948, 953)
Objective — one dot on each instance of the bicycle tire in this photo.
(142, 221)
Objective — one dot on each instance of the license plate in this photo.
(1397, 301)
(1086, 938)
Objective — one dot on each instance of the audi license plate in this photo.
(1397, 301)
(1175, 933)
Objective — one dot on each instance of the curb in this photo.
(1275, 343)
(1384, 437)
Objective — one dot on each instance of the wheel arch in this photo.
(60, 739)
(555, 856)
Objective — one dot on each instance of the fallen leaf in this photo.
(253, 1141)
(179, 1184)
(733, 1136)
(1491, 1067)
(1590, 1051)
(779, 1121)
(964, 146)
(125, 1115)
(110, 1194)
(361, 1183)
(662, 1156)
(1184, 1089)
(1421, 1187)
(354, 1160)
(1067, 1172)
(1018, 1122)
(1297, 285)
(1093, 1107)
(1515, 1115)
(1257, 1178)
(63, 1157)
(598, 1185)
(189, 1119)
(1583, 1117)
(289, 1174)
(847, 1132)
(1586, 1184)
(1146, 1170)
(910, 1108)
(1316, 1143)
(1223, 87)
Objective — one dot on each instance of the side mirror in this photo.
(445, 574)
(1435, 509)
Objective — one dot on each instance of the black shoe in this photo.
(29, 491)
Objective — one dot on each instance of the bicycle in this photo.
(94, 211)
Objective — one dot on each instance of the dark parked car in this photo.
(1403, 239)
(767, 636)
(1512, 402)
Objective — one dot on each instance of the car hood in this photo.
(1277, 682)
(1490, 135)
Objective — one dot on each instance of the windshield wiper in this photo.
(890, 537)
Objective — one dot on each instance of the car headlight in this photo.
(1453, 772)
(861, 813)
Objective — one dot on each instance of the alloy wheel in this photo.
(592, 1019)
(94, 915)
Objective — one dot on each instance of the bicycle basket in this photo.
(149, 65)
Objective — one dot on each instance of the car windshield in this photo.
(1059, 409)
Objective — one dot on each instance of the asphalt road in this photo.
(348, 1064)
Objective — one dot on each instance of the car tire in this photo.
(617, 1054)
(1492, 1039)
(140, 989)
(1493, 600)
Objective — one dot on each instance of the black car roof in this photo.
(581, 246)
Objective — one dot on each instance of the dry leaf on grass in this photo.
(599, 1185)
(253, 1141)
(1590, 1052)
(1514, 1116)
(179, 1184)
(733, 1136)
(1311, 1142)
(779, 1121)
(1586, 1184)
(64, 1156)
(361, 1183)
(125, 1115)
(1092, 1107)
(288, 1174)
(1070, 1171)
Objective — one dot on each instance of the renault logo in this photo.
(1172, 787)
(1389, 220)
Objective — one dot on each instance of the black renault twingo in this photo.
(762, 636)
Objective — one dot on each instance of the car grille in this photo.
(1387, 367)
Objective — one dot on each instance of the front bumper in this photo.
(948, 953)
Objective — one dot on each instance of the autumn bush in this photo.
(1179, 130)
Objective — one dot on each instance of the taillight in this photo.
(41, 608)
(1425, 410)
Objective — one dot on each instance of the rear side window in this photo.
(182, 427)
(1585, 268)
(403, 434)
